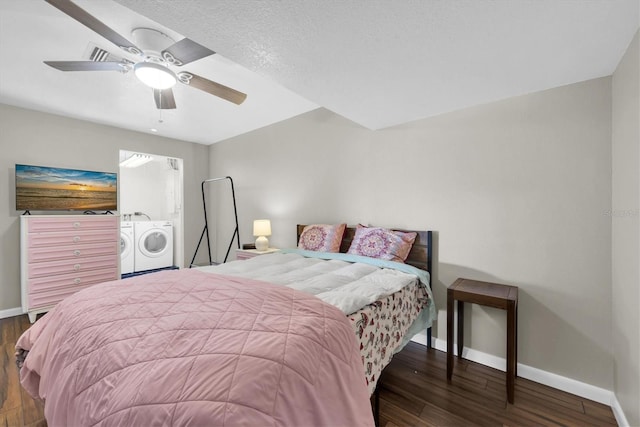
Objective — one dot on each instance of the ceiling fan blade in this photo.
(164, 99)
(213, 88)
(184, 52)
(86, 65)
(85, 18)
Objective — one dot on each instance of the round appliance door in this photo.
(153, 243)
(126, 245)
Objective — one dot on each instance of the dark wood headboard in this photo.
(420, 255)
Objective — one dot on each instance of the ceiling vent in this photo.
(98, 54)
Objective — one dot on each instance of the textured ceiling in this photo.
(378, 63)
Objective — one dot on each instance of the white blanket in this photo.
(346, 285)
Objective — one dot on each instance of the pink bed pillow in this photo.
(322, 237)
(382, 243)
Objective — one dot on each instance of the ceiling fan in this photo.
(154, 51)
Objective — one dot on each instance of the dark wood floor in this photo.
(414, 392)
(17, 408)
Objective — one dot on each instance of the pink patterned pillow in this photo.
(382, 243)
(322, 237)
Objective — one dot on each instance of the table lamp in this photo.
(262, 229)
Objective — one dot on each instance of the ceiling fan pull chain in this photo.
(160, 109)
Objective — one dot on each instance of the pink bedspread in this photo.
(192, 348)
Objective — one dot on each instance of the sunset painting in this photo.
(47, 188)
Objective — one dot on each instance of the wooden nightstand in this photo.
(490, 294)
(242, 254)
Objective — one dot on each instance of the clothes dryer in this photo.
(127, 249)
(153, 245)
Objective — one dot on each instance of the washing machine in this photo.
(127, 249)
(153, 245)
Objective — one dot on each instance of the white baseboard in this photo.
(618, 412)
(421, 338)
(588, 391)
(10, 312)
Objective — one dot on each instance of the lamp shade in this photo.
(261, 227)
(155, 75)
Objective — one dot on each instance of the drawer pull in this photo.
(76, 239)
(76, 281)
(76, 267)
(76, 224)
(76, 252)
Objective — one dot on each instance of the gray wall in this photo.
(626, 232)
(43, 139)
(518, 192)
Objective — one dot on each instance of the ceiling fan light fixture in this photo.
(154, 75)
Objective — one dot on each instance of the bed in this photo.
(226, 345)
(382, 325)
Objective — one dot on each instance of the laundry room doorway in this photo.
(151, 189)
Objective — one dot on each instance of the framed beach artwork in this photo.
(43, 188)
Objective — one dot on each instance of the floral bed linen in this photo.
(382, 328)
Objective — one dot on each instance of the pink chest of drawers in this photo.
(61, 254)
